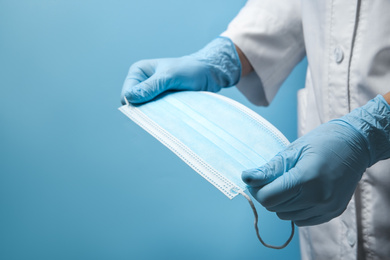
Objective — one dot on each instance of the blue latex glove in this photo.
(314, 178)
(215, 66)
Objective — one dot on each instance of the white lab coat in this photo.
(347, 43)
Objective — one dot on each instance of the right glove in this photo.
(314, 178)
(215, 66)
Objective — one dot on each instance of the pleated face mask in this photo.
(216, 136)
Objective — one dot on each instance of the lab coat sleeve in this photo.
(269, 33)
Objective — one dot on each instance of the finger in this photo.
(278, 165)
(128, 85)
(298, 202)
(145, 91)
(143, 69)
(284, 188)
(295, 203)
(265, 174)
(312, 221)
(138, 73)
(298, 215)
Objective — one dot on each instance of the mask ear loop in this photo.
(257, 228)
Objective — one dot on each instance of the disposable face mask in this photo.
(216, 136)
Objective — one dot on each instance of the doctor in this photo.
(334, 181)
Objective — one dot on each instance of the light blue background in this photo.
(78, 180)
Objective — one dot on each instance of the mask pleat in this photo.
(225, 135)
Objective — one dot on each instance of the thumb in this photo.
(141, 82)
(143, 91)
(265, 174)
(276, 167)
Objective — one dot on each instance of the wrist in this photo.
(373, 122)
(246, 67)
(387, 97)
(223, 61)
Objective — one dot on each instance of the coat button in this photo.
(351, 238)
(338, 54)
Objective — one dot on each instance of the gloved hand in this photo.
(314, 178)
(215, 66)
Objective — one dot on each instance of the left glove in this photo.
(215, 66)
(314, 178)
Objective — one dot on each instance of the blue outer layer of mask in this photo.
(218, 137)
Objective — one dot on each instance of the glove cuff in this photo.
(373, 122)
(222, 58)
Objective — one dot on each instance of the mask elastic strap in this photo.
(257, 228)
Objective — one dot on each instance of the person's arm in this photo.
(314, 178)
(269, 39)
(215, 66)
(387, 97)
(246, 67)
(269, 34)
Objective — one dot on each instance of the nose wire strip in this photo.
(126, 101)
(257, 228)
